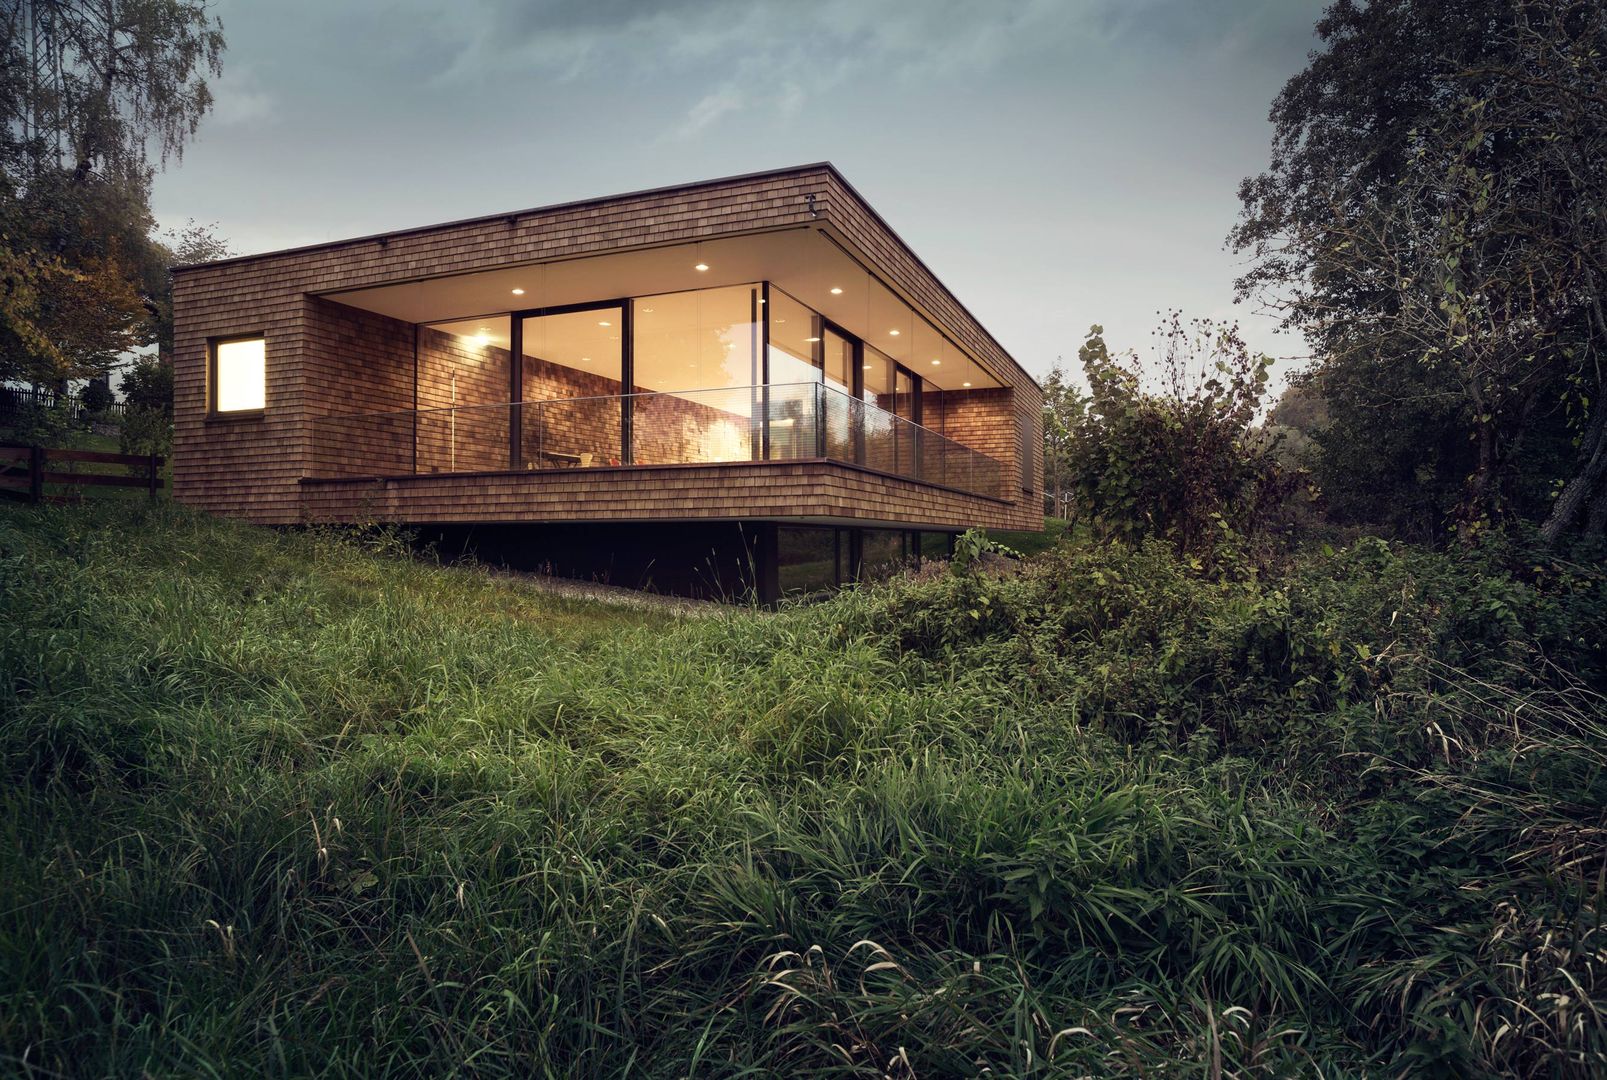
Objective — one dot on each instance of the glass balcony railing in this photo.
(789, 422)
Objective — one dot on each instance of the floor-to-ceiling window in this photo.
(696, 369)
(572, 372)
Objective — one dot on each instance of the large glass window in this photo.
(239, 375)
(807, 560)
(696, 358)
(573, 364)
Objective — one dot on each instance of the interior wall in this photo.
(453, 371)
(357, 362)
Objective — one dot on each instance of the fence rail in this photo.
(25, 472)
(22, 399)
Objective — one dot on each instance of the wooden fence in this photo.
(26, 470)
(16, 400)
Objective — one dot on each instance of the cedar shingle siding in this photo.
(326, 358)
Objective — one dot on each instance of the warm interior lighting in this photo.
(604, 322)
(836, 291)
(701, 267)
(965, 384)
(894, 333)
(480, 340)
(241, 376)
(935, 363)
(518, 292)
(811, 339)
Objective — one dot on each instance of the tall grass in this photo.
(301, 804)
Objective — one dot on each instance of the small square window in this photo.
(239, 375)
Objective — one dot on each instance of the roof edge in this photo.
(762, 174)
(325, 245)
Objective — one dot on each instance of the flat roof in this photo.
(764, 174)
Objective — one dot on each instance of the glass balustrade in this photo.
(786, 422)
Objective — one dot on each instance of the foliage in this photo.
(1428, 222)
(1182, 462)
(148, 407)
(295, 804)
(92, 92)
(1065, 412)
(96, 396)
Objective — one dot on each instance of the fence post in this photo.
(155, 479)
(36, 474)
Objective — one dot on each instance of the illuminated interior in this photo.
(239, 375)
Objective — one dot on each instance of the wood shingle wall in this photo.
(325, 358)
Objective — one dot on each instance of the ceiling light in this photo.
(585, 359)
(647, 311)
(965, 384)
(893, 332)
(518, 292)
(935, 363)
(811, 339)
(867, 367)
(701, 266)
(836, 291)
(604, 322)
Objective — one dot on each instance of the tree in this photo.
(1064, 408)
(94, 95)
(1182, 461)
(1431, 221)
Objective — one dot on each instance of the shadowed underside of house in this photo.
(741, 384)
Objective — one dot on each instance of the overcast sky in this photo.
(1057, 164)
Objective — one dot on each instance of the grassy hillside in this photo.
(294, 805)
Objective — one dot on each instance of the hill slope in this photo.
(292, 804)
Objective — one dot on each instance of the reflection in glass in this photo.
(575, 360)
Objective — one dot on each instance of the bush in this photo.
(1183, 463)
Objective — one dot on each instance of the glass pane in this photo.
(463, 365)
(242, 383)
(806, 560)
(883, 553)
(693, 426)
(838, 358)
(573, 365)
(794, 341)
(696, 361)
(697, 340)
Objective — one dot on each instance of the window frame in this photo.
(212, 410)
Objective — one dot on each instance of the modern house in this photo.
(746, 383)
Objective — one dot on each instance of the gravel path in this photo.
(615, 595)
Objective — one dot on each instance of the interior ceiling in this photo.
(801, 261)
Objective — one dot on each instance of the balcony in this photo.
(808, 421)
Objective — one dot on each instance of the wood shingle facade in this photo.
(363, 381)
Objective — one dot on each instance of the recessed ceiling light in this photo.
(701, 266)
(604, 322)
(867, 367)
(893, 332)
(965, 384)
(585, 359)
(647, 311)
(836, 291)
(811, 339)
(935, 363)
(518, 292)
